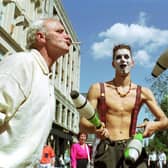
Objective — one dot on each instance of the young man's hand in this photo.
(102, 132)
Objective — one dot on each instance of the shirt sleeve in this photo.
(15, 75)
(11, 97)
(73, 156)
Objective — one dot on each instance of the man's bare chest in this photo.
(120, 104)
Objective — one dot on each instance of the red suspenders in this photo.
(102, 108)
(135, 111)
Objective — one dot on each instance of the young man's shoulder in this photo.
(95, 86)
(143, 88)
(146, 93)
(146, 90)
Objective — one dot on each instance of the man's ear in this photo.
(40, 36)
(113, 64)
(133, 63)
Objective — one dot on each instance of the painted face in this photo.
(123, 61)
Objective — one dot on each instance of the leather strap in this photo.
(102, 107)
(135, 111)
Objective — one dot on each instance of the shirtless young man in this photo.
(120, 96)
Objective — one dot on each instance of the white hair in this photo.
(36, 26)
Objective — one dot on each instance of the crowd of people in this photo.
(81, 155)
(157, 159)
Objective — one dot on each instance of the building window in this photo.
(2, 52)
(63, 114)
(68, 118)
(1, 56)
(62, 77)
(73, 119)
(55, 12)
(74, 49)
(57, 111)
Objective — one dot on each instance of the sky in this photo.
(101, 24)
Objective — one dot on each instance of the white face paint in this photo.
(123, 61)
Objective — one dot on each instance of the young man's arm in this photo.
(85, 125)
(162, 121)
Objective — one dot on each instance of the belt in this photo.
(118, 142)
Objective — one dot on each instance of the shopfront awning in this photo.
(61, 133)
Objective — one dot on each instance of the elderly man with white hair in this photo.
(27, 95)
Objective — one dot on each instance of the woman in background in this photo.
(80, 152)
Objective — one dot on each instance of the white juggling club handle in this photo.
(161, 64)
(85, 109)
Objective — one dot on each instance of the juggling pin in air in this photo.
(85, 109)
(161, 64)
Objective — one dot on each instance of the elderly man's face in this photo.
(57, 40)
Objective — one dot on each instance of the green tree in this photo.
(164, 104)
(159, 87)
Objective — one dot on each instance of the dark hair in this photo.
(82, 133)
(121, 46)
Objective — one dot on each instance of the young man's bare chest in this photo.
(118, 104)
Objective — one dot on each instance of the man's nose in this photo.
(67, 36)
(122, 58)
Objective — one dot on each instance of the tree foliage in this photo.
(159, 87)
(164, 104)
